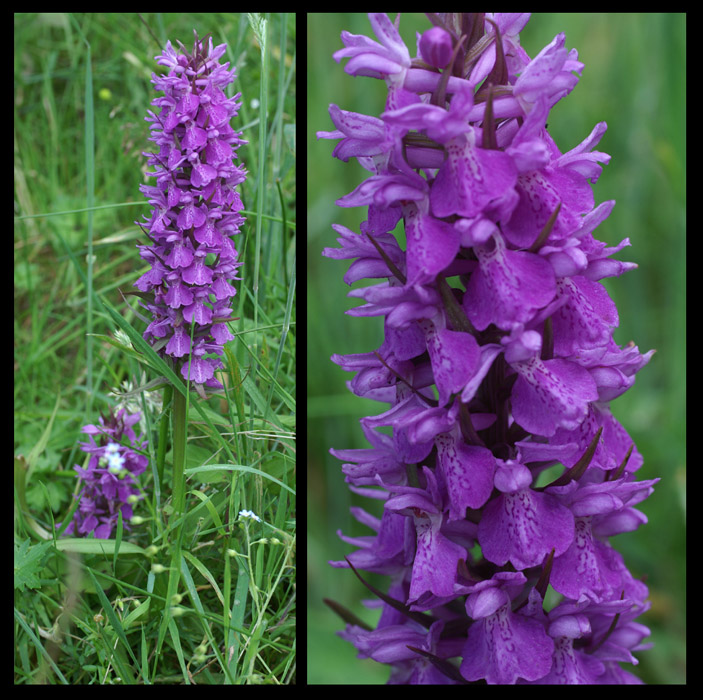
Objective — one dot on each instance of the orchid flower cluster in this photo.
(195, 210)
(498, 363)
(110, 486)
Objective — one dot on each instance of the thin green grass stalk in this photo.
(180, 426)
(41, 650)
(282, 342)
(163, 433)
(89, 142)
(260, 27)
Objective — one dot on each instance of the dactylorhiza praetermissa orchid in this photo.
(195, 210)
(498, 362)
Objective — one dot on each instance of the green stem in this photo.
(178, 420)
(179, 452)
(163, 434)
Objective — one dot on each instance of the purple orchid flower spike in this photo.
(195, 211)
(109, 481)
(498, 361)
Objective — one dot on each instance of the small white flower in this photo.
(249, 514)
(115, 462)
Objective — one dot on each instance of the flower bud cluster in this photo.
(498, 362)
(109, 483)
(195, 211)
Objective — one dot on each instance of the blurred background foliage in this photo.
(634, 79)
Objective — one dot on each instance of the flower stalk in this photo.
(498, 363)
(179, 452)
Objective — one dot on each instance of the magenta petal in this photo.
(190, 216)
(221, 333)
(88, 524)
(179, 344)
(178, 295)
(432, 245)
(208, 234)
(468, 471)
(524, 527)
(504, 647)
(218, 151)
(586, 320)
(200, 370)
(198, 312)
(181, 256)
(188, 104)
(102, 532)
(202, 174)
(195, 137)
(551, 394)
(508, 287)
(436, 559)
(197, 273)
(470, 179)
(454, 357)
(584, 568)
(539, 195)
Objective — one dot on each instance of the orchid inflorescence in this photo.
(195, 210)
(498, 362)
(109, 484)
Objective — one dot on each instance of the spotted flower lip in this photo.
(498, 362)
(195, 211)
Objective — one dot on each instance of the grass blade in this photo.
(116, 626)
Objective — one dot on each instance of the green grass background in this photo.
(56, 99)
(634, 79)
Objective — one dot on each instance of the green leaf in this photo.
(118, 538)
(39, 646)
(118, 658)
(289, 133)
(57, 493)
(20, 478)
(37, 450)
(197, 456)
(127, 350)
(142, 609)
(238, 468)
(86, 546)
(28, 563)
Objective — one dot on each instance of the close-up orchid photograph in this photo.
(496, 333)
(155, 348)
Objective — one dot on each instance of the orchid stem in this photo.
(179, 452)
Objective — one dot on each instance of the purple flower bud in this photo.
(498, 361)
(195, 210)
(436, 47)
